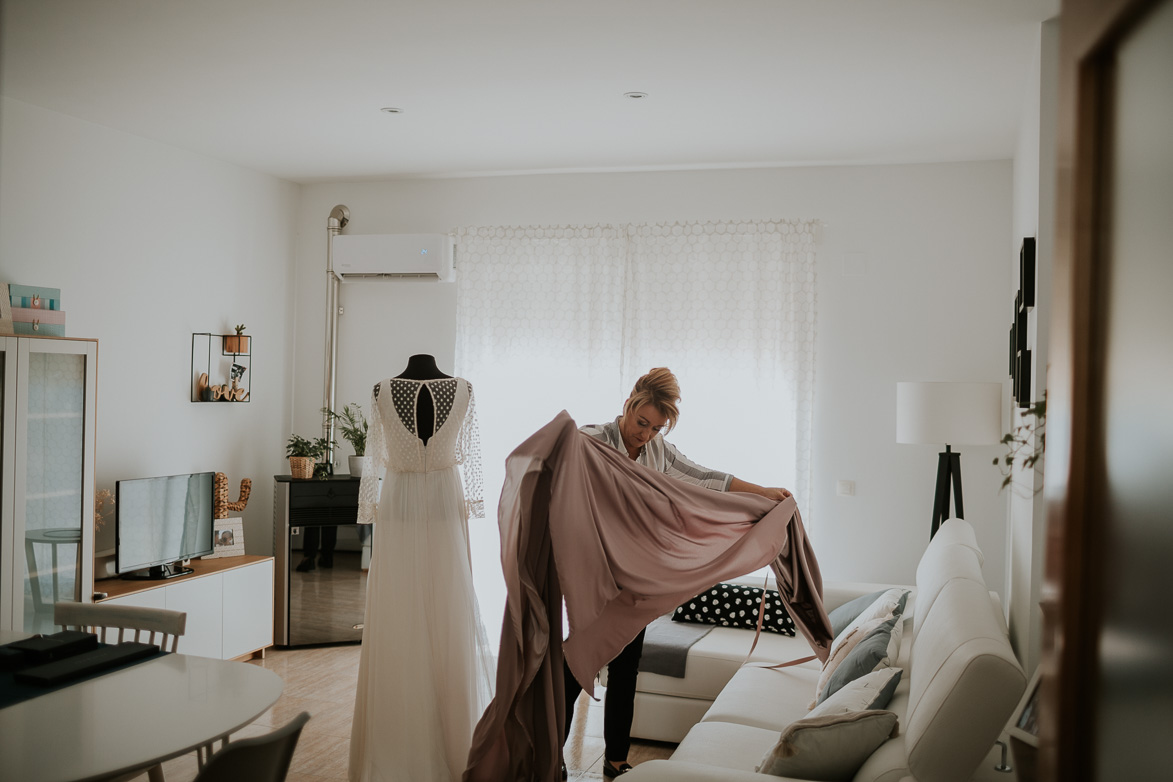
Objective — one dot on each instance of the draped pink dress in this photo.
(623, 544)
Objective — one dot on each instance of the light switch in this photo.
(845, 488)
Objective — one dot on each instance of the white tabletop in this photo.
(132, 718)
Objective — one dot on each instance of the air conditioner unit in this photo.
(393, 256)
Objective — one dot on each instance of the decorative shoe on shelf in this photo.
(306, 565)
(610, 771)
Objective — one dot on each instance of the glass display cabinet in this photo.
(47, 421)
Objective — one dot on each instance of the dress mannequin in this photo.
(420, 693)
(422, 366)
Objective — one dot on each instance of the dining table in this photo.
(130, 719)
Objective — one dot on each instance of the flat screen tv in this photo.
(160, 522)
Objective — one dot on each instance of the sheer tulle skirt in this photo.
(426, 668)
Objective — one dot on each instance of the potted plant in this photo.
(236, 343)
(353, 425)
(1026, 445)
(303, 454)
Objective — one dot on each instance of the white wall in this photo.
(148, 244)
(912, 286)
(1034, 203)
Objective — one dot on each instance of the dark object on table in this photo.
(86, 663)
(56, 646)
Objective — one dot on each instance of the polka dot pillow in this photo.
(735, 605)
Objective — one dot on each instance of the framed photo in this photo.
(1024, 723)
(228, 538)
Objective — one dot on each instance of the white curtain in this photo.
(553, 318)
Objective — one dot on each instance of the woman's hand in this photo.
(776, 494)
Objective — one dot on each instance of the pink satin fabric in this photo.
(623, 544)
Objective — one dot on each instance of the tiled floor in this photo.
(322, 682)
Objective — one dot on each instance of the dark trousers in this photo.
(619, 704)
(315, 537)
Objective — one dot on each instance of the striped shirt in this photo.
(661, 455)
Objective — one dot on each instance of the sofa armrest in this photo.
(675, 771)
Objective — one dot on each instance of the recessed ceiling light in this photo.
(391, 110)
(635, 95)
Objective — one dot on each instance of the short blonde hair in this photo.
(659, 389)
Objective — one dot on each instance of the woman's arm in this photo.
(769, 493)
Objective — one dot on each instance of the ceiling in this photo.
(294, 88)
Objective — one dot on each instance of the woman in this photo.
(648, 414)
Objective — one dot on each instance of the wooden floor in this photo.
(322, 681)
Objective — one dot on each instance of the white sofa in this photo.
(960, 683)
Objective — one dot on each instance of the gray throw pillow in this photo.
(831, 747)
(846, 613)
(864, 658)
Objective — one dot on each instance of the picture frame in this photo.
(1021, 367)
(227, 538)
(1024, 722)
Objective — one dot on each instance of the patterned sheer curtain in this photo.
(553, 318)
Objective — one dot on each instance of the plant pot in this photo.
(236, 344)
(357, 465)
(301, 466)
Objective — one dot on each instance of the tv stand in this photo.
(158, 572)
(228, 602)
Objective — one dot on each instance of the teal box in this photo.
(41, 329)
(23, 295)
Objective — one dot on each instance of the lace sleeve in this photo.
(468, 455)
(376, 464)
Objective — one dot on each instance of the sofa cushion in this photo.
(965, 682)
(842, 648)
(871, 691)
(725, 745)
(830, 746)
(736, 605)
(957, 532)
(769, 698)
(886, 603)
(846, 613)
(879, 648)
(939, 566)
(714, 659)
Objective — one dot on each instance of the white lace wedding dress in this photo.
(426, 668)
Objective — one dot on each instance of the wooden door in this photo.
(1107, 639)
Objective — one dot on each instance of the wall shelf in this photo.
(218, 372)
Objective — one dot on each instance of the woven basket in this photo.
(301, 466)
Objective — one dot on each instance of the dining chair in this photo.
(259, 759)
(133, 623)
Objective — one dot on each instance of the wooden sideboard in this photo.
(229, 604)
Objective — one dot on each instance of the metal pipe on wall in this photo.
(339, 217)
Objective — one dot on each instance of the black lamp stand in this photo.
(948, 471)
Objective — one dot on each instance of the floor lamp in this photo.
(949, 414)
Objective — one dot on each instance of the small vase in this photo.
(301, 466)
(357, 465)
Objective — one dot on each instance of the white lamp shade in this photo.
(949, 413)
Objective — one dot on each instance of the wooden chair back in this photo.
(132, 623)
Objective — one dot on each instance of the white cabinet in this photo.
(228, 602)
(248, 609)
(48, 388)
(200, 599)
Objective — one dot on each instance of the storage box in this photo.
(38, 323)
(33, 297)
